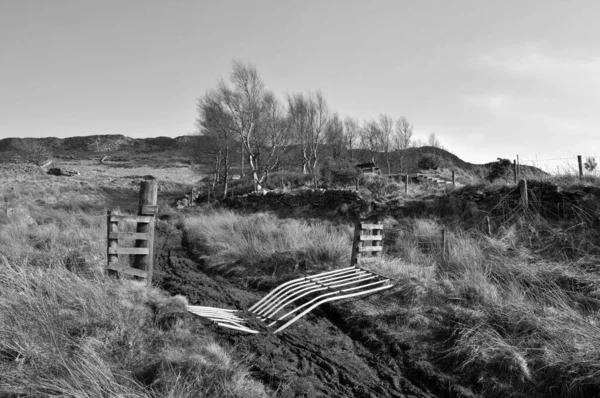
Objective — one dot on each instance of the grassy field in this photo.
(513, 313)
(68, 330)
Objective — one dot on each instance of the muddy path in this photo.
(318, 356)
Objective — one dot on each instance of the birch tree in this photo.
(351, 134)
(403, 139)
(386, 126)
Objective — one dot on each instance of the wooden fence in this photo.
(143, 236)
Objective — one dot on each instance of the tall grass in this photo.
(68, 330)
(224, 237)
(515, 322)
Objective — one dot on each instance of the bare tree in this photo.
(334, 136)
(214, 122)
(370, 139)
(298, 109)
(386, 126)
(319, 119)
(309, 116)
(403, 139)
(433, 141)
(274, 136)
(351, 133)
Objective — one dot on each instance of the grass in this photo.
(68, 330)
(262, 244)
(511, 321)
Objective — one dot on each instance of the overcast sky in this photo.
(490, 78)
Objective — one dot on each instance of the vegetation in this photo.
(514, 313)
(67, 330)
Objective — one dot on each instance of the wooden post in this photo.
(489, 226)
(524, 196)
(113, 244)
(453, 179)
(518, 166)
(406, 184)
(147, 206)
(580, 166)
(515, 170)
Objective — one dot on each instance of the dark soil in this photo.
(321, 355)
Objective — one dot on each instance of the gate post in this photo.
(148, 206)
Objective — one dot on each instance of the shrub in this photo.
(334, 172)
(430, 162)
(499, 169)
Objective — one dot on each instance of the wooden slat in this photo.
(367, 259)
(149, 209)
(128, 271)
(129, 250)
(134, 235)
(371, 237)
(370, 248)
(371, 226)
(138, 219)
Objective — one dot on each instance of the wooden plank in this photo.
(371, 226)
(129, 250)
(134, 235)
(371, 237)
(368, 259)
(149, 209)
(128, 271)
(138, 219)
(370, 248)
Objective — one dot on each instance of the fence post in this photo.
(453, 179)
(147, 206)
(518, 166)
(113, 243)
(515, 170)
(406, 184)
(580, 166)
(489, 226)
(524, 196)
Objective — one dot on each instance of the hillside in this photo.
(200, 149)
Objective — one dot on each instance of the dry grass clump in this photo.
(227, 237)
(65, 335)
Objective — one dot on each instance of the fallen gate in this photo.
(314, 289)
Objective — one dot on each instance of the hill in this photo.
(200, 149)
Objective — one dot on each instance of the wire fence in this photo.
(565, 165)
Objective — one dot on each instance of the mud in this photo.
(322, 355)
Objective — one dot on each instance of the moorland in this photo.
(509, 306)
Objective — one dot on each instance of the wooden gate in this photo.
(368, 242)
(143, 236)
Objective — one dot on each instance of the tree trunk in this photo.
(226, 171)
(242, 162)
(252, 161)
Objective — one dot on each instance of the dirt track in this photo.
(316, 357)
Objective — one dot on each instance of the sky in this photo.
(490, 78)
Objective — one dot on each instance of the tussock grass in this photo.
(495, 310)
(265, 244)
